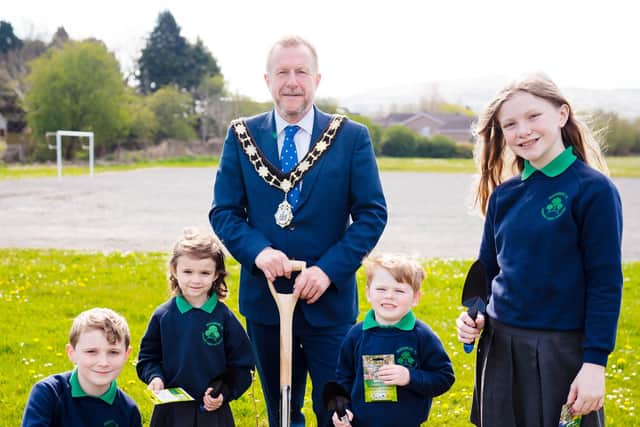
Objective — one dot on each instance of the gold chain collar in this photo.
(271, 174)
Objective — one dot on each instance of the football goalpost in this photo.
(58, 147)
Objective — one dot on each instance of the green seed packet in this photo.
(168, 395)
(568, 420)
(374, 389)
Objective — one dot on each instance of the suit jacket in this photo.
(339, 218)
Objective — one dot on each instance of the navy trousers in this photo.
(315, 351)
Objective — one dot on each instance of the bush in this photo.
(438, 146)
(399, 141)
(173, 112)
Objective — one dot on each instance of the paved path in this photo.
(146, 210)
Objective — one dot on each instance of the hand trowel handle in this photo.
(473, 313)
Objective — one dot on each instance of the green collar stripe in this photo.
(555, 167)
(407, 323)
(209, 306)
(76, 389)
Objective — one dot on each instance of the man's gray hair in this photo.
(293, 41)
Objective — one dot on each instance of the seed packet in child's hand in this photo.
(374, 389)
(568, 420)
(168, 395)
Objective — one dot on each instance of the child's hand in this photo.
(393, 374)
(338, 423)
(468, 329)
(156, 384)
(210, 403)
(586, 393)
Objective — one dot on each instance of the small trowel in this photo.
(474, 294)
(336, 399)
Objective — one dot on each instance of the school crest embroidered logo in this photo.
(110, 423)
(407, 356)
(213, 334)
(555, 207)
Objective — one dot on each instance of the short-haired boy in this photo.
(87, 395)
(392, 364)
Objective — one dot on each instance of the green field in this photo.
(620, 166)
(42, 290)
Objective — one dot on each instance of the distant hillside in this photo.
(478, 92)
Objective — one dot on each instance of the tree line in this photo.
(178, 91)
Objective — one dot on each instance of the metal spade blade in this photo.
(474, 293)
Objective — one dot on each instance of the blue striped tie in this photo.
(289, 159)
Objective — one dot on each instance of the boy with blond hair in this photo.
(88, 395)
(392, 364)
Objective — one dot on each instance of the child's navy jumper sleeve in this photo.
(434, 374)
(488, 253)
(239, 356)
(40, 409)
(345, 369)
(149, 363)
(600, 242)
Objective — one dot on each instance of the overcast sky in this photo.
(371, 44)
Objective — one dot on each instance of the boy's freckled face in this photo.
(389, 299)
(98, 362)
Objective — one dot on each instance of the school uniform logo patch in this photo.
(555, 207)
(212, 335)
(407, 356)
(111, 423)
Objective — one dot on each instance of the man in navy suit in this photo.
(334, 219)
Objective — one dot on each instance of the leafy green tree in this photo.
(142, 124)
(375, 130)
(211, 107)
(621, 137)
(201, 65)
(168, 59)
(8, 40)
(164, 56)
(399, 141)
(78, 87)
(173, 112)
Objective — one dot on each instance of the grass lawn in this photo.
(39, 170)
(620, 166)
(42, 290)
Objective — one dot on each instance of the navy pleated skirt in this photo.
(523, 377)
(189, 414)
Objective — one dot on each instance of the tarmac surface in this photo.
(146, 209)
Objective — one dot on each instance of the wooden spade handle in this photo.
(286, 303)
